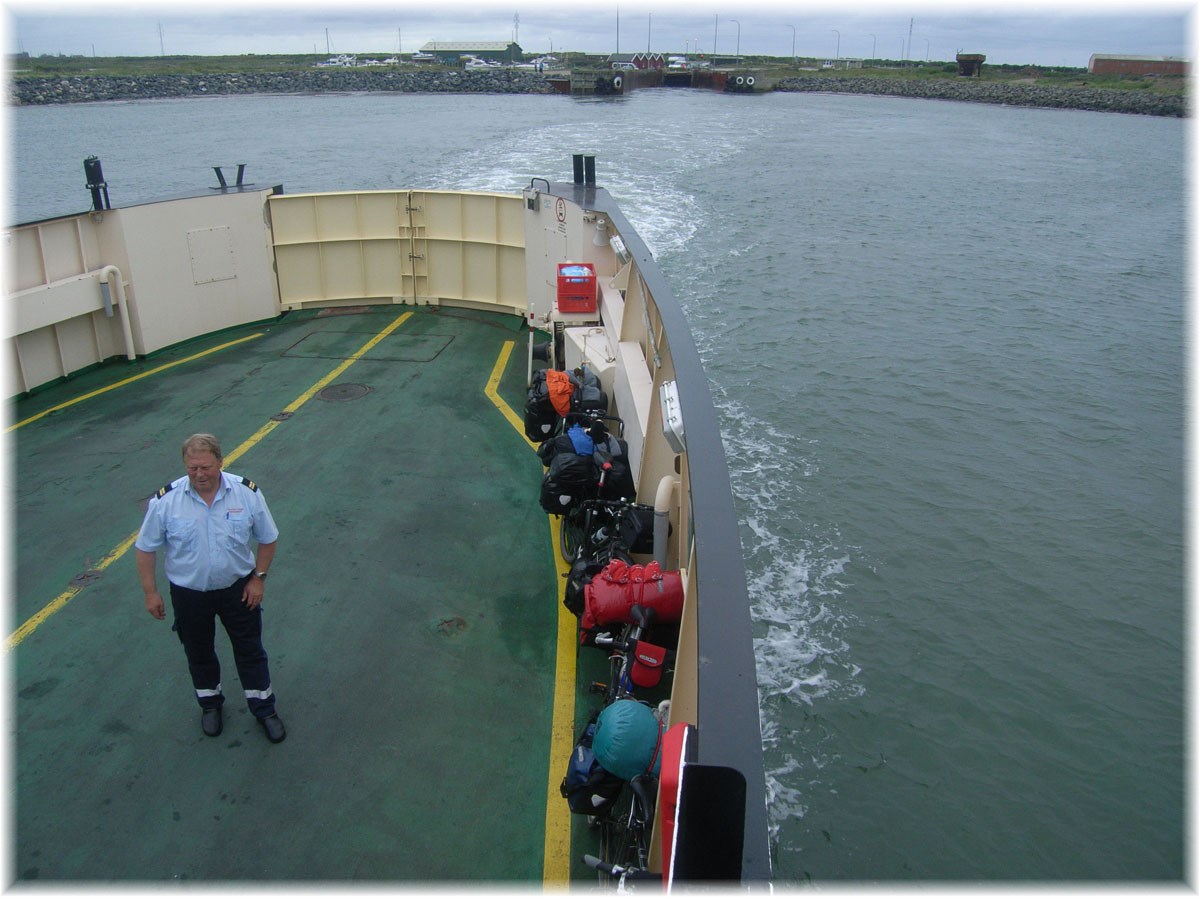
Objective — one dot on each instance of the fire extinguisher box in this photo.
(577, 287)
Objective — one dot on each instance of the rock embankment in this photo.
(42, 91)
(972, 90)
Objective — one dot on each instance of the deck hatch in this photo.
(343, 392)
(344, 343)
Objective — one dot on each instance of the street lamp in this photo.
(926, 51)
(872, 46)
(837, 53)
(793, 27)
(737, 53)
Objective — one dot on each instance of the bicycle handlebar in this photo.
(620, 871)
(641, 616)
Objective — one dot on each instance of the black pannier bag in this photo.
(580, 575)
(551, 447)
(589, 788)
(588, 395)
(618, 482)
(570, 480)
(540, 416)
(637, 529)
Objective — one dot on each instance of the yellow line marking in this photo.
(556, 852)
(556, 863)
(491, 391)
(27, 628)
(128, 380)
(58, 603)
(316, 388)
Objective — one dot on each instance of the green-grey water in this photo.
(947, 345)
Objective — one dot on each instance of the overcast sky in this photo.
(1066, 32)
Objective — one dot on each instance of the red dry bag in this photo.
(613, 591)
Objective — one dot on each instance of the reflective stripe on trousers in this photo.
(196, 614)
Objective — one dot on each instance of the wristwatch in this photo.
(261, 574)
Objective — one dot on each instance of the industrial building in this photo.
(1110, 64)
(449, 53)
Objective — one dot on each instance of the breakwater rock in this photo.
(972, 90)
(42, 91)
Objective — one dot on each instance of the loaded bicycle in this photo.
(625, 836)
(611, 481)
(635, 664)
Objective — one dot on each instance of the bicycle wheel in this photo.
(618, 671)
(570, 534)
(616, 836)
(626, 839)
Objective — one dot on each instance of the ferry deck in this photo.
(411, 615)
(363, 357)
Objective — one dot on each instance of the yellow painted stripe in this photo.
(556, 863)
(492, 392)
(26, 628)
(316, 388)
(128, 380)
(556, 854)
(60, 602)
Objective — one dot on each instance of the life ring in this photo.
(617, 83)
(749, 80)
(740, 79)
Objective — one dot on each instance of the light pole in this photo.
(872, 46)
(926, 51)
(737, 52)
(793, 27)
(838, 52)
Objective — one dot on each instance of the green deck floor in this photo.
(410, 617)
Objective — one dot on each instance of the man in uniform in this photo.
(206, 520)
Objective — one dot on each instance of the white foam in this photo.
(794, 579)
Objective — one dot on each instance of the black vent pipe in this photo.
(96, 184)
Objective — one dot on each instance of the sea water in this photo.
(946, 344)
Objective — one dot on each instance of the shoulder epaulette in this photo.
(249, 484)
(164, 490)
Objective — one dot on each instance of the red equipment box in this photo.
(577, 287)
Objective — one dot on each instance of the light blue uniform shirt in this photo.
(207, 548)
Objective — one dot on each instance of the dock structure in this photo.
(606, 81)
(613, 82)
(970, 65)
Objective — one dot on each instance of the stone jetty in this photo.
(1005, 93)
(43, 91)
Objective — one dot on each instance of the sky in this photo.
(1066, 32)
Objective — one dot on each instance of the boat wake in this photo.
(794, 579)
(665, 214)
(795, 566)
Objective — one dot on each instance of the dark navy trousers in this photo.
(196, 614)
